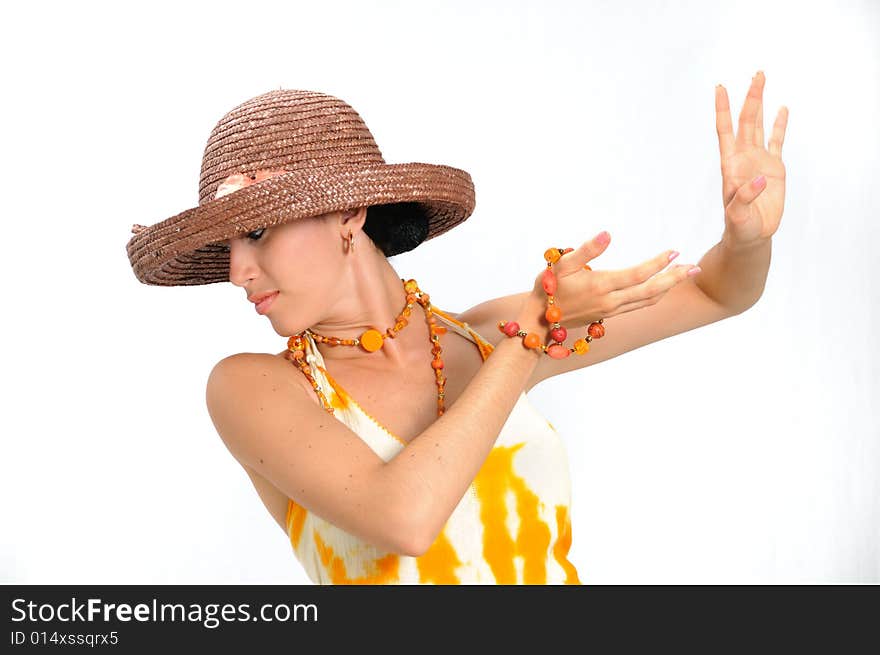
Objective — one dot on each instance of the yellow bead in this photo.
(411, 286)
(581, 346)
(371, 340)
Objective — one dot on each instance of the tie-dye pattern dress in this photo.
(512, 526)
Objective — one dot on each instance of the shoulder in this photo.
(254, 392)
(245, 376)
(233, 369)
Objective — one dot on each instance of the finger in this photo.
(737, 209)
(629, 277)
(745, 136)
(639, 304)
(778, 135)
(649, 292)
(723, 124)
(574, 260)
(759, 119)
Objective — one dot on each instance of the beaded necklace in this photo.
(372, 340)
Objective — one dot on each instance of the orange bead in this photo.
(552, 255)
(296, 342)
(532, 340)
(581, 346)
(587, 267)
(553, 314)
(411, 286)
(437, 363)
(371, 340)
(596, 330)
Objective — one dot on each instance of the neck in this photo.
(375, 298)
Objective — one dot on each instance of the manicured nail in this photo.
(603, 237)
(694, 271)
(673, 255)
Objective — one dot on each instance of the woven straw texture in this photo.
(333, 164)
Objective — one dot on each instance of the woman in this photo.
(437, 469)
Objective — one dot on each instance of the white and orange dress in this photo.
(513, 526)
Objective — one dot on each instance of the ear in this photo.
(352, 219)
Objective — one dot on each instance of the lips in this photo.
(257, 297)
(267, 299)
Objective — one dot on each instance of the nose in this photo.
(242, 265)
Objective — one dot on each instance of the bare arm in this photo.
(683, 308)
(639, 305)
(269, 425)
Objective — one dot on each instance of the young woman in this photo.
(436, 469)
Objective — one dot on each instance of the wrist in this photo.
(531, 316)
(731, 245)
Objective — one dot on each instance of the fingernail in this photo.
(758, 182)
(673, 255)
(603, 237)
(694, 271)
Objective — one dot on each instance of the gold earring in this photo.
(350, 242)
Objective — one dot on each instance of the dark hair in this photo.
(396, 228)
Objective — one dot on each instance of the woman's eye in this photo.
(256, 234)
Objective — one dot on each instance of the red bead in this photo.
(559, 334)
(511, 328)
(548, 281)
(558, 351)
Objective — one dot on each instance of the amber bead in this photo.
(552, 255)
(411, 286)
(596, 330)
(553, 314)
(581, 346)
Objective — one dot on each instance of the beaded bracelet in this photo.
(553, 314)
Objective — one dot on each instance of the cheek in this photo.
(298, 262)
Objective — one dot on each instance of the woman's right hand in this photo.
(585, 295)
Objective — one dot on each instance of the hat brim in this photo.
(184, 249)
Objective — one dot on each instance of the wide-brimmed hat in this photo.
(330, 162)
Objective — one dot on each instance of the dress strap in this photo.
(466, 331)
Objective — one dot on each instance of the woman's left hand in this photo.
(751, 212)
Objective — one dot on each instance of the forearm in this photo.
(734, 277)
(441, 462)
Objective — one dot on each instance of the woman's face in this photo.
(296, 259)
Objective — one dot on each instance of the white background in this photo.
(747, 451)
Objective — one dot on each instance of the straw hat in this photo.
(332, 163)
